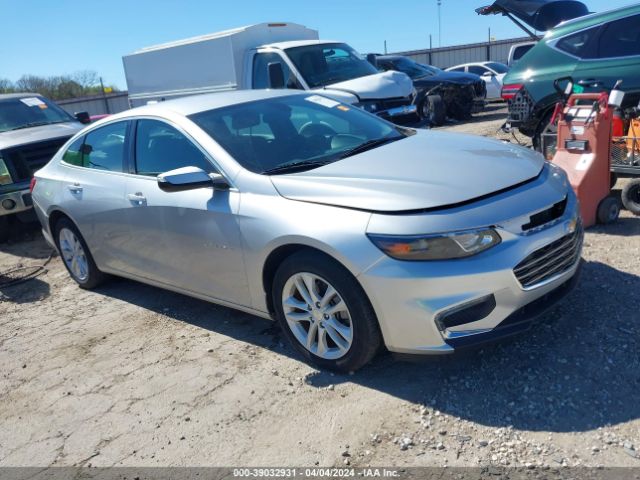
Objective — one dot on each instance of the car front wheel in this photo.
(325, 313)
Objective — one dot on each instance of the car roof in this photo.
(6, 96)
(209, 101)
(298, 43)
(591, 20)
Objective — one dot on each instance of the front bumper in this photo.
(412, 298)
(15, 202)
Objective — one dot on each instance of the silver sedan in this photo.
(353, 233)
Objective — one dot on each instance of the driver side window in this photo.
(261, 63)
(160, 148)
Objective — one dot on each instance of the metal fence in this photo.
(97, 104)
(444, 57)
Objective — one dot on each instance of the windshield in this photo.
(298, 131)
(329, 63)
(497, 67)
(25, 112)
(413, 69)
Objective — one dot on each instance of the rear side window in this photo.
(73, 155)
(578, 43)
(620, 38)
(104, 148)
(519, 52)
(160, 148)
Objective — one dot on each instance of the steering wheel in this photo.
(310, 129)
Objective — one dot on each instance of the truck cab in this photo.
(32, 129)
(266, 55)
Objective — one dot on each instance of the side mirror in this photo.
(276, 75)
(190, 178)
(488, 74)
(82, 117)
(372, 58)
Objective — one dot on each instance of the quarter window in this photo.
(104, 148)
(578, 43)
(620, 38)
(73, 155)
(161, 148)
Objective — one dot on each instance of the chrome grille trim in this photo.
(551, 260)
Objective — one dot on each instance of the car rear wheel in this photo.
(325, 313)
(76, 256)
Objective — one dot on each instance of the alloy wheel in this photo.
(73, 254)
(317, 315)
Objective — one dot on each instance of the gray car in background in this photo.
(32, 129)
(352, 232)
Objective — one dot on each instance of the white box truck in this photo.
(266, 55)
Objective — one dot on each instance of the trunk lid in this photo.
(540, 15)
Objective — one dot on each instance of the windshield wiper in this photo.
(295, 166)
(35, 124)
(369, 144)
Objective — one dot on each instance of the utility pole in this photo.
(104, 97)
(439, 24)
(385, 47)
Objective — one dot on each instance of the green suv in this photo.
(596, 50)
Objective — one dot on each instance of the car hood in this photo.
(459, 78)
(376, 86)
(23, 136)
(541, 15)
(427, 170)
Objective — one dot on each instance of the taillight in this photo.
(509, 91)
(32, 184)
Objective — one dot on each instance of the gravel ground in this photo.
(136, 376)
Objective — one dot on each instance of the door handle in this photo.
(137, 198)
(589, 82)
(75, 188)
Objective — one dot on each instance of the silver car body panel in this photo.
(375, 181)
(213, 244)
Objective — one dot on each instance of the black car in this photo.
(440, 94)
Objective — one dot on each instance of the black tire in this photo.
(432, 109)
(366, 337)
(94, 276)
(631, 196)
(545, 127)
(608, 210)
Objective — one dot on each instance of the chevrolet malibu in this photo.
(351, 232)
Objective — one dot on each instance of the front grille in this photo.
(390, 103)
(550, 260)
(546, 216)
(25, 160)
(480, 89)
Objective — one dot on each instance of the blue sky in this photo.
(45, 37)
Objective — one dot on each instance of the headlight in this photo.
(436, 247)
(5, 177)
(371, 107)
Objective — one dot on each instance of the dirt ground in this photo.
(137, 376)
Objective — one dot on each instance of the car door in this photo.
(614, 56)
(190, 239)
(93, 193)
